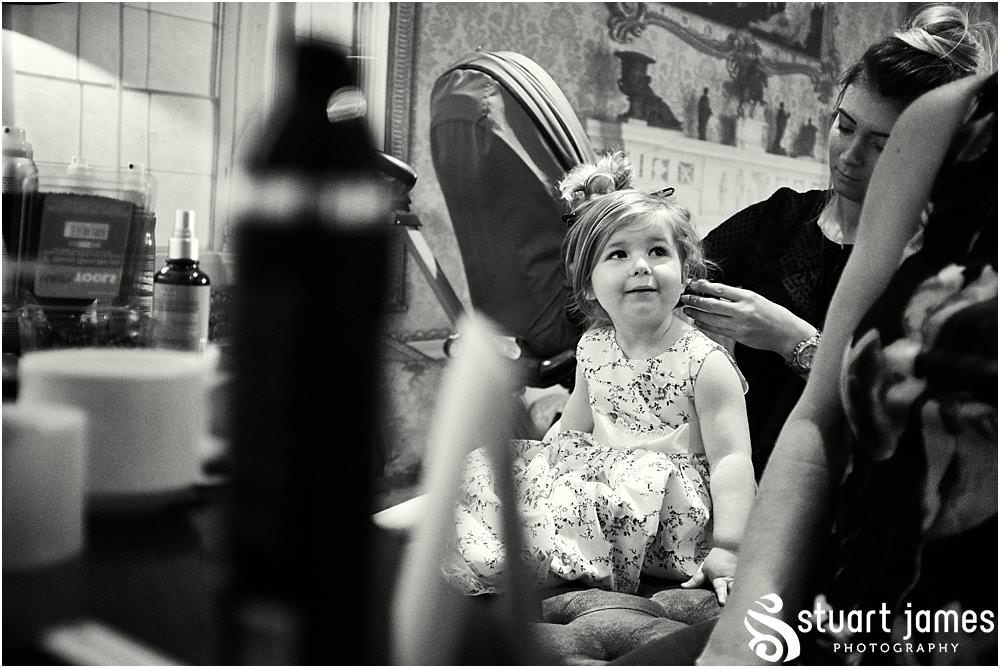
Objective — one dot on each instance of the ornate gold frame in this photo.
(398, 125)
(628, 20)
(399, 117)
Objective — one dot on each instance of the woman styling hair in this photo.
(894, 508)
(780, 259)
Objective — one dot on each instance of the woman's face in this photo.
(860, 129)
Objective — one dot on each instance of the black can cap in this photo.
(319, 126)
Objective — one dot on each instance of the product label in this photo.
(180, 316)
(81, 246)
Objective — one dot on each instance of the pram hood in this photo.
(502, 135)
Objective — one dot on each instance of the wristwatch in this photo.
(803, 353)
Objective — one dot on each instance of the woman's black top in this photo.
(776, 249)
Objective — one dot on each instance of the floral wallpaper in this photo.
(571, 42)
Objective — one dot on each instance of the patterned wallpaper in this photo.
(571, 41)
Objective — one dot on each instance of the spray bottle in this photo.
(181, 292)
(137, 185)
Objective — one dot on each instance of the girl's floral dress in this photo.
(633, 498)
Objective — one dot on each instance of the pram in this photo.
(502, 134)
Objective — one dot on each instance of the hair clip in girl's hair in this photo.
(665, 192)
(599, 183)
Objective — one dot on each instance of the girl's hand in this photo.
(745, 316)
(717, 569)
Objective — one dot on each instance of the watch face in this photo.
(806, 355)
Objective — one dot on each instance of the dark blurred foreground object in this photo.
(311, 249)
(502, 135)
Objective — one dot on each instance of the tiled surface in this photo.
(168, 47)
(181, 134)
(180, 54)
(68, 57)
(47, 30)
(48, 109)
(135, 52)
(99, 42)
(203, 11)
(98, 126)
(135, 127)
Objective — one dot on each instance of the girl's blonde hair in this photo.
(603, 201)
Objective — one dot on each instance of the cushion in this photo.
(593, 626)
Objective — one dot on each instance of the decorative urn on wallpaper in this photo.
(644, 104)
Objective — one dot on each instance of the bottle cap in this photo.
(15, 142)
(78, 165)
(80, 176)
(137, 185)
(183, 244)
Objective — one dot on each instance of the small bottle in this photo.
(137, 185)
(181, 292)
(19, 171)
(144, 288)
(20, 184)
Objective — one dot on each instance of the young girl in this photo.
(650, 470)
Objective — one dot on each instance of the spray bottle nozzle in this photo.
(184, 223)
(183, 243)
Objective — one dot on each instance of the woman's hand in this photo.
(717, 569)
(745, 316)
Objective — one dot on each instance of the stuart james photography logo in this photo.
(774, 648)
(774, 640)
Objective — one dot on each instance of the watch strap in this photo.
(795, 361)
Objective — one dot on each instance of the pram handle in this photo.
(538, 372)
(395, 169)
(556, 369)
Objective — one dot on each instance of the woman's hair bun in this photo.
(611, 172)
(944, 31)
(937, 46)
